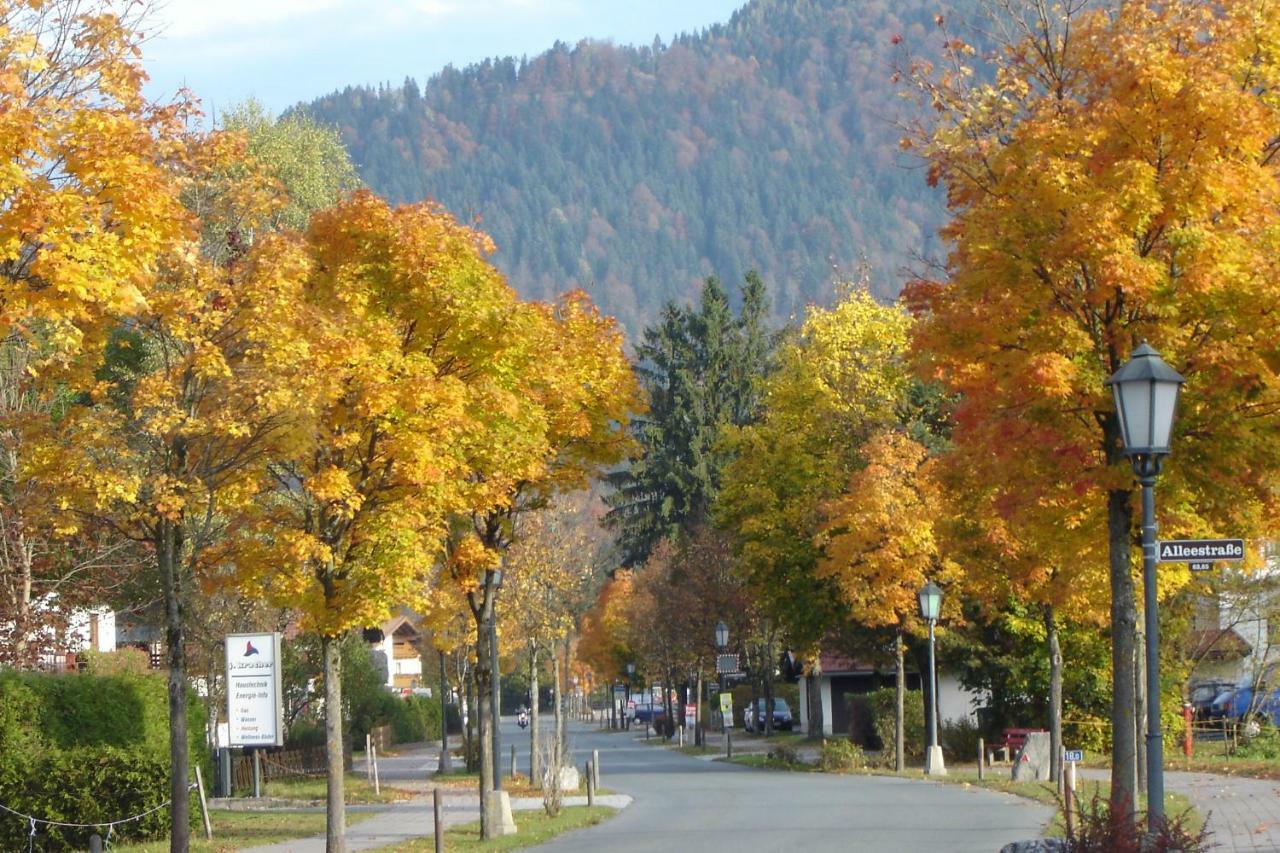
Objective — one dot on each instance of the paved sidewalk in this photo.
(403, 822)
(1243, 814)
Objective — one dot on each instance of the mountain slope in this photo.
(766, 142)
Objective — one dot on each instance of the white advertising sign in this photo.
(255, 714)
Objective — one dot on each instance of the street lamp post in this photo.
(1146, 395)
(722, 643)
(631, 671)
(930, 606)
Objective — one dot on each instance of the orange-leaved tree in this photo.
(880, 546)
(1114, 182)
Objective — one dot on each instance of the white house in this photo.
(397, 653)
(844, 677)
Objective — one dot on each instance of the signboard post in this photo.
(255, 712)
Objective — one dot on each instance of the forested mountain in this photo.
(767, 142)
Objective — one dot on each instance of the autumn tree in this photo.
(89, 206)
(842, 379)
(550, 580)
(1114, 182)
(880, 546)
(576, 394)
(407, 328)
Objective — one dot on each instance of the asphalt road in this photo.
(689, 804)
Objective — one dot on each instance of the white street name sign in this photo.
(255, 714)
(1200, 550)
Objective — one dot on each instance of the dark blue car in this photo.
(1240, 704)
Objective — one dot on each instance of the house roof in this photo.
(1217, 644)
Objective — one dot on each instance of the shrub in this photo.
(87, 785)
(841, 756)
(785, 753)
(1100, 830)
(83, 748)
(305, 734)
(415, 718)
(882, 704)
(1092, 734)
(959, 738)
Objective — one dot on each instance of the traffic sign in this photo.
(1200, 550)
(726, 663)
(1201, 567)
(1073, 755)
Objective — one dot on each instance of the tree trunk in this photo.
(446, 764)
(1055, 695)
(768, 681)
(815, 698)
(1140, 709)
(668, 678)
(169, 553)
(484, 709)
(899, 706)
(697, 713)
(535, 776)
(335, 807)
(557, 754)
(1123, 624)
(468, 729)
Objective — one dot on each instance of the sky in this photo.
(285, 51)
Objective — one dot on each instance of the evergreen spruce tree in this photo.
(698, 367)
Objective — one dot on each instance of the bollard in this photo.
(95, 843)
(682, 737)
(257, 775)
(591, 786)
(204, 805)
(728, 743)
(982, 760)
(439, 815)
(1188, 736)
(1069, 803)
(595, 766)
(373, 750)
(368, 762)
(513, 761)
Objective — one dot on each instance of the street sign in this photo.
(690, 712)
(726, 709)
(1200, 550)
(255, 714)
(1073, 755)
(726, 663)
(1201, 567)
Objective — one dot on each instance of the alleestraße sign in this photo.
(1200, 550)
(255, 714)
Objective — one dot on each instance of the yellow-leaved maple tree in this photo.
(88, 206)
(1115, 181)
(414, 340)
(194, 396)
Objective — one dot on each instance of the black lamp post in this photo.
(930, 597)
(1146, 395)
(722, 643)
(631, 671)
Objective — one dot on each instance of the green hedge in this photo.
(416, 718)
(84, 785)
(85, 748)
(882, 703)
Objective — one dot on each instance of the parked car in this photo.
(1202, 696)
(782, 720)
(1251, 712)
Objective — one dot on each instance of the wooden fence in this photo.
(282, 764)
